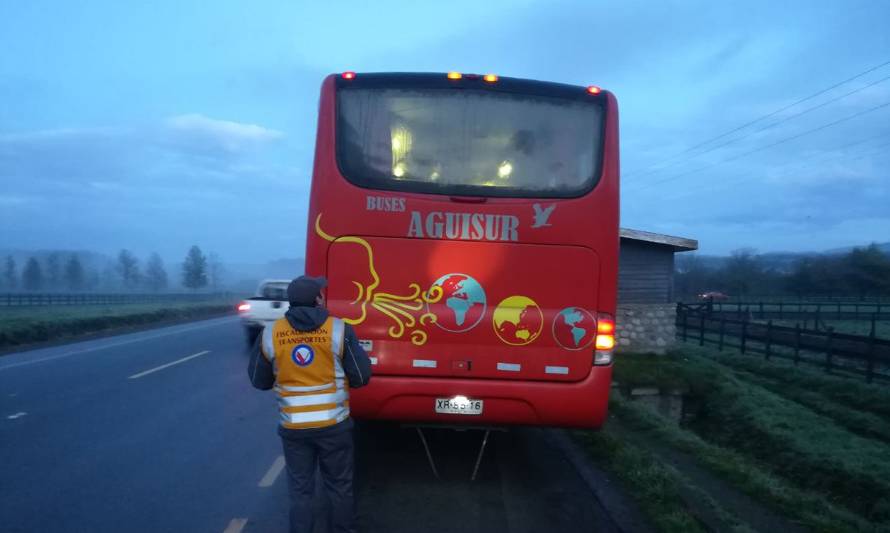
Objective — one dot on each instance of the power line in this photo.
(759, 119)
(771, 145)
(792, 117)
(844, 157)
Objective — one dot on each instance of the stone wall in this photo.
(646, 327)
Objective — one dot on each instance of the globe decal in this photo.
(574, 328)
(462, 304)
(518, 320)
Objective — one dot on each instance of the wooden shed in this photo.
(646, 308)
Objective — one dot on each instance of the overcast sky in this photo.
(158, 126)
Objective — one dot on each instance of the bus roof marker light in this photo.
(593, 89)
(454, 75)
(490, 78)
(348, 75)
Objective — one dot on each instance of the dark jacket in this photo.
(356, 364)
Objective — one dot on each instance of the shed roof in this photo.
(679, 244)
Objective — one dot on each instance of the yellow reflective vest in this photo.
(309, 378)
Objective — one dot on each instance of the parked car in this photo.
(714, 296)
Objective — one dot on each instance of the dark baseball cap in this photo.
(305, 289)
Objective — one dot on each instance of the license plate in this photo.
(459, 405)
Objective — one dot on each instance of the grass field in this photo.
(853, 327)
(813, 448)
(30, 324)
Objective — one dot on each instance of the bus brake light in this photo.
(593, 89)
(348, 75)
(605, 339)
(455, 75)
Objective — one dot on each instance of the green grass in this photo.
(26, 324)
(810, 508)
(854, 393)
(758, 439)
(653, 486)
(819, 399)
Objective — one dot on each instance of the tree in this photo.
(74, 274)
(867, 270)
(155, 274)
(32, 277)
(692, 277)
(128, 269)
(54, 270)
(10, 278)
(216, 271)
(194, 269)
(742, 272)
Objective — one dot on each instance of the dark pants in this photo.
(332, 456)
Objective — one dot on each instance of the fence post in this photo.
(701, 330)
(870, 371)
(828, 342)
(722, 331)
(780, 310)
(761, 310)
(744, 334)
(796, 343)
(838, 310)
(769, 331)
(685, 325)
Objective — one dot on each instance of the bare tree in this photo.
(10, 278)
(128, 269)
(216, 271)
(32, 277)
(54, 270)
(74, 274)
(155, 274)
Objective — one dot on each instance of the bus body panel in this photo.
(351, 238)
(472, 336)
(577, 404)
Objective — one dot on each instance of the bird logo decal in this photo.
(542, 214)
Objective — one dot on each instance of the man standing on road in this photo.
(308, 356)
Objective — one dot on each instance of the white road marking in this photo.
(111, 345)
(236, 525)
(17, 415)
(162, 367)
(273, 472)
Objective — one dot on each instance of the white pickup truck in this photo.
(269, 304)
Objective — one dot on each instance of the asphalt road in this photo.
(161, 431)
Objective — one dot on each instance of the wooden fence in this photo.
(801, 310)
(29, 299)
(864, 355)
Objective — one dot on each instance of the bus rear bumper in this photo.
(580, 404)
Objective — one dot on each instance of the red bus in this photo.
(468, 227)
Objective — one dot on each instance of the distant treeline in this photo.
(863, 272)
(72, 271)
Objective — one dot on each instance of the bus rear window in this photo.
(468, 142)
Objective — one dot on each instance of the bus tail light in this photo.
(490, 78)
(593, 89)
(348, 75)
(243, 307)
(454, 75)
(605, 339)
